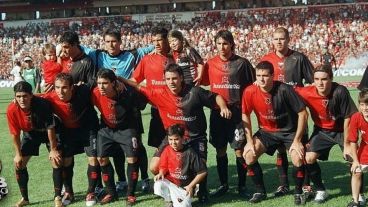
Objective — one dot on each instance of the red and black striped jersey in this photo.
(229, 78)
(328, 112)
(277, 110)
(181, 167)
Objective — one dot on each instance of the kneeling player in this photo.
(282, 120)
(180, 170)
(33, 116)
(118, 127)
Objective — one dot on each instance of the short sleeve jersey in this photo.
(181, 167)
(39, 119)
(116, 113)
(291, 69)
(328, 112)
(50, 70)
(188, 59)
(151, 69)
(229, 78)
(83, 69)
(277, 110)
(185, 108)
(358, 125)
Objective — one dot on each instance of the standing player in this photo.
(71, 103)
(358, 125)
(293, 68)
(33, 116)
(31, 74)
(181, 169)
(364, 82)
(282, 119)
(228, 75)
(118, 127)
(122, 62)
(331, 108)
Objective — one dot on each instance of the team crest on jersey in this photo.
(325, 102)
(178, 101)
(226, 67)
(178, 156)
(225, 79)
(268, 101)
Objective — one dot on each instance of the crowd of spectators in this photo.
(342, 30)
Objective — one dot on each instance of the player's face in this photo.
(63, 90)
(23, 99)
(280, 42)
(224, 48)
(175, 44)
(264, 79)
(176, 142)
(322, 82)
(112, 45)
(161, 44)
(28, 64)
(69, 50)
(50, 55)
(173, 82)
(105, 86)
(363, 107)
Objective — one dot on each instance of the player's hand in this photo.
(197, 80)
(355, 168)
(55, 156)
(189, 190)
(225, 113)
(48, 87)
(249, 147)
(346, 153)
(299, 149)
(18, 161)
(159, 176)
(255, 83)
(79, 83)
(154, 52)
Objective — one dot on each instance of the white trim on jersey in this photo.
(171, 192)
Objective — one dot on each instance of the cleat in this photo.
(108, 198)
(282, 190)
(258, 197)
(100, 193)
(203, 199)
(58, 202)
(308, 192)
(121, 188)
(242, 190)
(146, 186)
(169, 204)
(321, 196)
(362, 200)
(131, 201)
(220, 191)
(90, 199)
(67, 199)
(299, 199)
(353, 204)
(21, 203)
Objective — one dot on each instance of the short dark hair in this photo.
(23, 86)
(70, 37)
(265, 65)
(106, 74)
(226, 35)
(160, 31)
(326, 68)
(363, 96)
(174, 68)
(65, 77)
(113, 33)
(176, 129)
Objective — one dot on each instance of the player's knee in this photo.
(238, 152)
(103, 161)
(250, 158)
(221, 152)
(296, 160)
(93, 161)
(132, 160)
(310, 159)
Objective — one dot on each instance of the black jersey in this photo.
(84, 70)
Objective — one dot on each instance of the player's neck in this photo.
(282, 53)
(267, 88)
(226, 57)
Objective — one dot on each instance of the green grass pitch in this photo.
(335, 174)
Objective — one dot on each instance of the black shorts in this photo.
(156, 131)
(200, 146)
(224, 131)
(272, 140)
(322, 141)
(108, 139)
(74, 140)
(31, 141)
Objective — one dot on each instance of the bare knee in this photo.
(311, 158)
(103, 161)
(132, 160)
(93, 161)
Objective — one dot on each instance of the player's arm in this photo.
(197, 179)
(224, 110)
(132, 82)
(198, 79)
(18, 158)
(347, 150)
(54, 154)
(302, 124)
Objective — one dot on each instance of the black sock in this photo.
(361, 190)
(298, 174)
(222, 165)
(57, 177)
(282, 165)
(22, 179)
(241, 167)
(202, 191)
(99, 178)
(314, 172)
(306, 178)
(68, 178)
(108, 178)
(93, 175)
(132, 177)
(255, 172)
(143, 162)
(119, 163)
